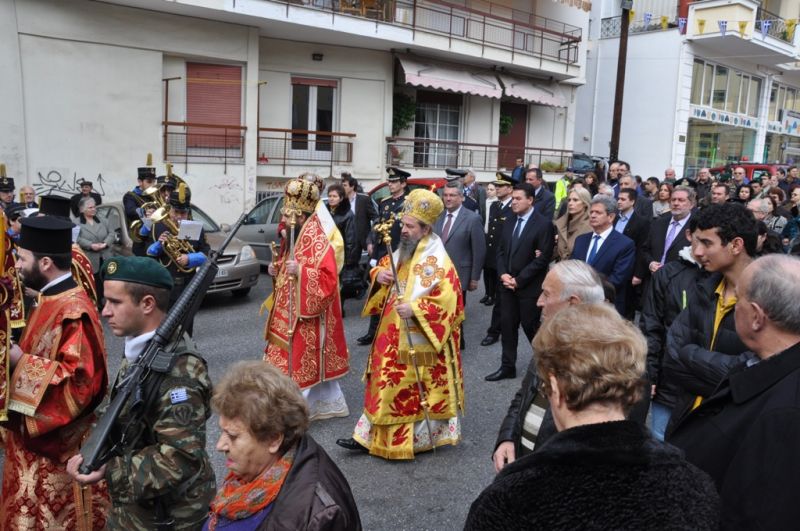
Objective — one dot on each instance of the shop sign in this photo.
(790, 125)
(721, 117)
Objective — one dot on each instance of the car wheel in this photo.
(240, 292)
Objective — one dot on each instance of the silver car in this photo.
(238, 268)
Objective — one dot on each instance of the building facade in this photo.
(241, 95)
(707, 82)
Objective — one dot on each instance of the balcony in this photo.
(185, 142)
(440, 154)
(525, 34)
(610, 27)
(740, 28)
(298, 147)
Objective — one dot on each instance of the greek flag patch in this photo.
(178, 395)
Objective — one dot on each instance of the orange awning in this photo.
(453, 78)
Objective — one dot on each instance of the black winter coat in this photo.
(667, 294)
(315, 495)
(612, 475)
(346, 223)
(690, 363)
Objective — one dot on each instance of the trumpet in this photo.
(174, 247)
(156, 202)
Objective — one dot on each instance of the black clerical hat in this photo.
(46, 235)
(54, 205)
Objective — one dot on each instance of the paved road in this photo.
(431, 492)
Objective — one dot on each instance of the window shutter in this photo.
(213, 97)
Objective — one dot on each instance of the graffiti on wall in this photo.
(53, 182)
(228, 190)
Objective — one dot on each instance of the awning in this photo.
(424, 73)
(529, 90)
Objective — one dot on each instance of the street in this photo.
(432, 492)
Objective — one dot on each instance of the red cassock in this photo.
(55, 387)
(319, 350)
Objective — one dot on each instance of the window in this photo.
(313, 105)
(734, 88)
(437, 121)
(729, 90)
(773, 103)
(697, 82)
(720, 87)
(213, 98)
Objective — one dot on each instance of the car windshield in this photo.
(580, 162)
(209, 225)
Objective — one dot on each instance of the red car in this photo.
(752, 169)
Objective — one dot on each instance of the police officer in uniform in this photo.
(393, 204)
(498, 212)
(164, 479)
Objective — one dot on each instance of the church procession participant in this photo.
(304, 331)
(59, 378)
(412, 398)
(133, 201)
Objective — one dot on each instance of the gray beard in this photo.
(406, 250)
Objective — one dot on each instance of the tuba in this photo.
(174, 247)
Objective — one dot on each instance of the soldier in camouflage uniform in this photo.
(165, 476)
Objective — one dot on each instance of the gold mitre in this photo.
(300, 197)
(423, 205)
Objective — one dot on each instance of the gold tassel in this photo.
(149, 159)
(2, 170)
(169, 169)
(182, 192)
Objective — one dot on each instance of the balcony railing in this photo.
(426, 153)
(777, 26)
(525, 34)
(305, 148)
(610, 27)
(192, 142)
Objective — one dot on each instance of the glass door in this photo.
(312, 116)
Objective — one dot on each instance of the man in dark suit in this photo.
(643, 205)
(521, 272)
(518, 173)
(362, 206)
(461, 230)
(635, 226)
(606, 250)
(745, 435)
(543, 197)
(668, 232)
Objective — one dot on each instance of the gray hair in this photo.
(455, 184)
(580, 280)
(605, 189)
(775, 287)
(761, 205)
(609, 203)
(689, 192)
(83, 204)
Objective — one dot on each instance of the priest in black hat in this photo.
(59, 378)
(86, 191)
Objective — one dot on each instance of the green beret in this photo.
(139, 270)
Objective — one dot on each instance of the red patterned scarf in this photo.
(237, 500)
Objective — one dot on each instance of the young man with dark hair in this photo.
(165, 475)
(702, 343)
(363, 208)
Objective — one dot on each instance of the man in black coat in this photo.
(745, 435)
(543, 197)
(636, 226)
(521, 272)
(363, 208)
(86, 191)
(498, 213)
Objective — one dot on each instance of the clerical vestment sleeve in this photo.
(71, 380)
(318, 283)
(376, 296)
(437, 313)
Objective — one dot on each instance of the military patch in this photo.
(182, 414)
(178, 395)
(112, 268)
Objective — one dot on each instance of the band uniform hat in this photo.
(54, 205)
(46, 235)
(181, 199)
(396, 174)
(148, 171)
(6, 183)
(453, 174)
(168, 182)
(15, 211)
(300, 197)
(686, 181)
(502, 179)
(137, 270)
(423, 205)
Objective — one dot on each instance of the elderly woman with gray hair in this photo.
(601, 470)
(95, 238)
(278, 476)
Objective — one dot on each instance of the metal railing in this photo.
(525, 33)
(610, 27)
(426, 153)
(777, 26)
(192, 142)
(305, 148)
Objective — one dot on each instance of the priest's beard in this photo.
(407, 249)
(33, 277)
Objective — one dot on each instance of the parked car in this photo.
(752, 169)
(238, 268)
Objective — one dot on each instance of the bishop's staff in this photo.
(290, 279)
(384, 230)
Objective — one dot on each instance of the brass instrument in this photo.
(174, 247)
(156, 202)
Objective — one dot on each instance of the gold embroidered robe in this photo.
(429, 282)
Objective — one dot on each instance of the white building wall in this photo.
(12, 118)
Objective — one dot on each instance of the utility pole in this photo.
(616, 123)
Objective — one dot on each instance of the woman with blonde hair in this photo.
(600, 471)
(574, 223)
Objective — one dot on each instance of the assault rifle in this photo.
(144, 376)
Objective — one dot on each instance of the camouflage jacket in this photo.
(169, 464)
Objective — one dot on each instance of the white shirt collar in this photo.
(134, 346)
(454, 213)
(53, 282)
(603, 235)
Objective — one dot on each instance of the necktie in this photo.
(517, 230)
(673, 230)
(593, 250)
(446, 229)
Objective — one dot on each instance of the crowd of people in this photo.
(662, 316)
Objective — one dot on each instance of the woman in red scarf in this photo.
(278, 477)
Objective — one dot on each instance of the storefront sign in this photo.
(721, 117)
(790, 125)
